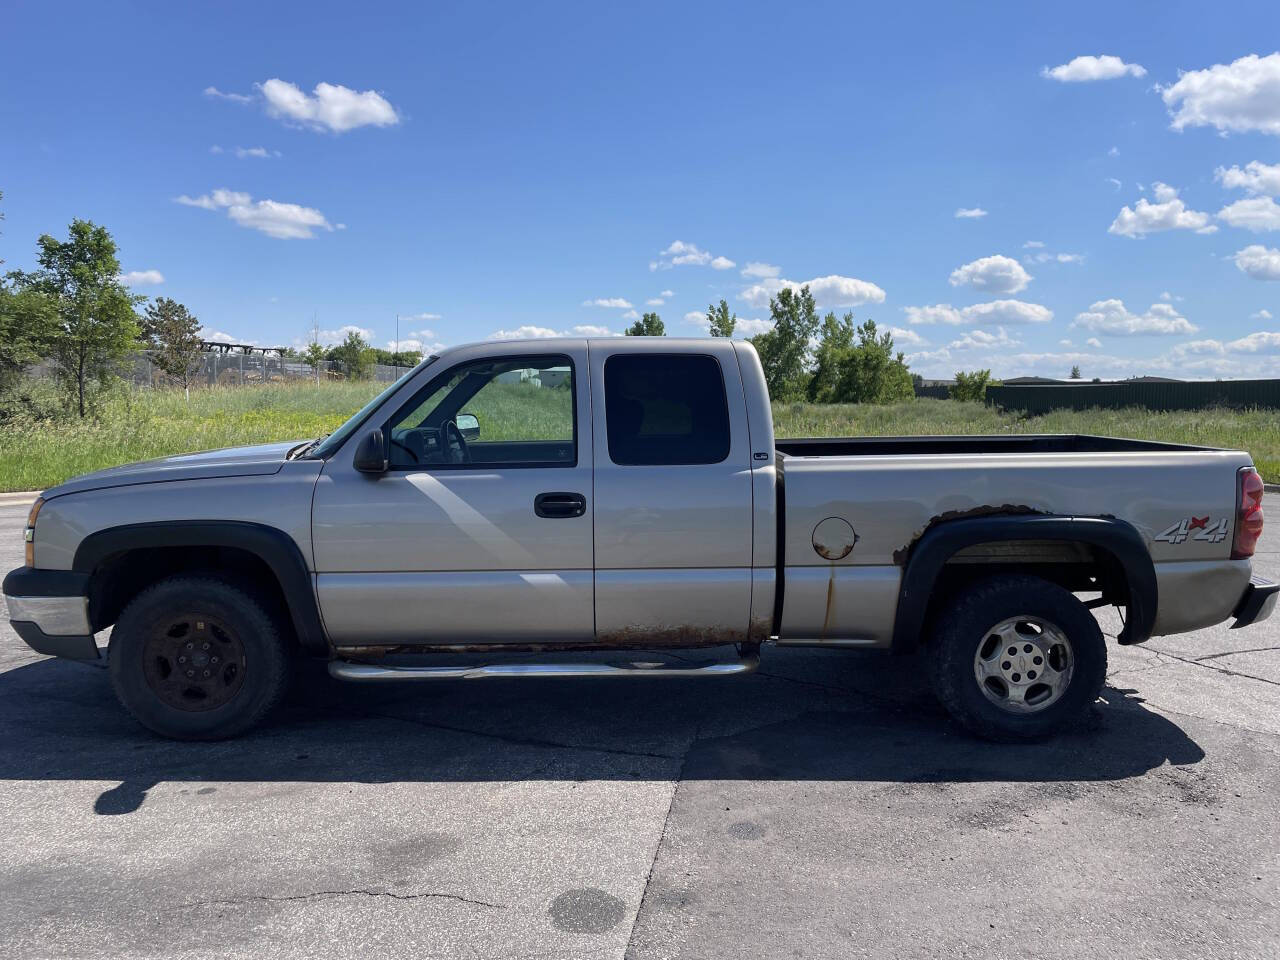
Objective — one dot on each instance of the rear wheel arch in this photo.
(122, 561)
(1116, 551)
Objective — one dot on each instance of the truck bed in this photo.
(970, 444)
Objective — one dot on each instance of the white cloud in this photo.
(667, 293)
(996, 274)
(260, 153)
(141, 278)
(281, 220)
(995, 311)
(1259, 262)
(755, 268)
(218, 336)
(1259, 214)
(970, 213)
(1167, 213)
(413, 345)
(1238, 97)
(1007, 311)
(829, 291)
(903, 335)
(1264, 341)
(331, 338)
(331, 107)
(592, 330)
(1045, 257)
(1255, 178)
(615, 303)
(1085, 69)
(1094, 342)
(1033, 244)
(217, 94)
(976, 339)
(1064, 343)
(421, 318)
(750, 326)
(696, 319)
(654, 302)
(631, 315)
(1115, 183)
(526, 332)
(1113, 152)
(1263, 314)
(1111, 316)
(680, 254)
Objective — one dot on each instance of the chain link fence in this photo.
(223, 369)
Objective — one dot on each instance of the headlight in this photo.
(29, 534)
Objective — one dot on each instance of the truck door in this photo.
(672, 494)
(480, 530)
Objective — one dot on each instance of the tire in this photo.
(987, 656)
(196, 658)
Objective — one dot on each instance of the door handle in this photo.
(553, 506)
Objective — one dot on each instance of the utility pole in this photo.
(315, 338)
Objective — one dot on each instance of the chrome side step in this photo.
(373, 672)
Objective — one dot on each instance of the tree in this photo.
(836, 340)
(314, 355)
(971, 387)
(96, 324)
(354, 357)
(1075, 373)
(650, 325)
(28, 319)
(784, 349)
(720, 320)
(173, 334)
(870, 371)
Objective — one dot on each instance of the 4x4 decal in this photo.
(1194, 528)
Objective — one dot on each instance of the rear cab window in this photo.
(665, 409)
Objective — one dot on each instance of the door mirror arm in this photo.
(371, 453)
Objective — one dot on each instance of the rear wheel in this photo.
(196, 658)
(1017, 658)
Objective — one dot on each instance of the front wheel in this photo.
(196, 658)
(1017, 658)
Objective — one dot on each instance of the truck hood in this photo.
(259, 459)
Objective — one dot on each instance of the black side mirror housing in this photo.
(371, 453)
(468, 426)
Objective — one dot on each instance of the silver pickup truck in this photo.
(625, 495)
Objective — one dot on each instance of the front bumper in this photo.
(49, 610)
(1258, 602)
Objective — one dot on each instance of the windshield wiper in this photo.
(303, 450)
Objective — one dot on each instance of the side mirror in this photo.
(371, 453)
(468, 426)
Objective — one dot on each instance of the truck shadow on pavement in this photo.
(805, 716)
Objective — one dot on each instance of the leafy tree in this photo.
(784, 350)
(650, 325)
(870, 371)
(404, 358)
(720, 320)
(836, 341)
(314, 355)
(96, 324)
(28, 319)
(1075, 373)
(971, 387)
(173, 334)
(354, 357)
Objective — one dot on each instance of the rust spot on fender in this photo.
(643, 637)
(903, 553)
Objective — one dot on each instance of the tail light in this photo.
(1248, 513)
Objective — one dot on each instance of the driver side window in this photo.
(510, 412)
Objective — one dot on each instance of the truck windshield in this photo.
(332, 442)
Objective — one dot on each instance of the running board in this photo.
(367, 672)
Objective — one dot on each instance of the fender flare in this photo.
(274, 547)
(938, 544)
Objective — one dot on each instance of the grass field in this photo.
(139, 424)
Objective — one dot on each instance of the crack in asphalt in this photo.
(515, 741)
(357, 892)
(1199, 662)
(1232, 653)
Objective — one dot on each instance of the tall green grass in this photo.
(137, 424)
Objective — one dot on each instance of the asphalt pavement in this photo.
(824, 807)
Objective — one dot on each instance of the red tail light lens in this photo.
(1248, 513)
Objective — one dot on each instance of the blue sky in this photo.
(531, 168)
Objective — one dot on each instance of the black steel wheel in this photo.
(197, 658)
